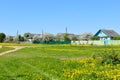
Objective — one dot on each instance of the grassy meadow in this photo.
(3, 49)
(58, 62)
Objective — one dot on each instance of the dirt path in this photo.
(70, 58)
(15, 49)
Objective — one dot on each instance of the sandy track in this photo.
(15, 49)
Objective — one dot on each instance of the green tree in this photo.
(95, 38)
(57, 39)
(74, 38)
(20, 38)
(65, 37)
(116, 38)
(2, 37)
(26, 35)
(9, 39)
(48, 37)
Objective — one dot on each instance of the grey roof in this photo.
(61, 34)
(30, 36)
(65, 33)
(110, 32)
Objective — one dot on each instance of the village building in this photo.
(106, 34)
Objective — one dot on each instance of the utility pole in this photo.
(17, 36)
(17, 32)
(42, 34)
(66, 30)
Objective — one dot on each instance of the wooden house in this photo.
(106, 34)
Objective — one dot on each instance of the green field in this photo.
(58, 62)
(3, 49)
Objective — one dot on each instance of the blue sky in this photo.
(53, 16)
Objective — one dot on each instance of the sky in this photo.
(53, 16)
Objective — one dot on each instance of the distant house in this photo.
(31, 36)
(85, 36)
(106, 34)
(60, 35)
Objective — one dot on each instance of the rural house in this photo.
(106, 34)
(30, 36)
(60, 35)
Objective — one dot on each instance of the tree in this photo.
(2, 37)
(88, 36)
(20, 38)
(26, 35)
(65, 37)
(116, 38)
(47, 37)
(37, 38)
(74, 38)
(9, 39)
(85, 36)
(95, 38)
(57, 39)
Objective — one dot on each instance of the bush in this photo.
(74, 38)
(95, 38)
(110, 57)
(116, 38)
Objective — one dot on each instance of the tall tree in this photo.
(20, 38)
(2, 37)
(26, 35)
(48, 37)
(65, 37)
(86, 36)
(37, 38)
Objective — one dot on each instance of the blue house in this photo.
(106, 34)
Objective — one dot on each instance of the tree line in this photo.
(48, 37)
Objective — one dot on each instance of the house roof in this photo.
(30, 36)
(111, 33)
(61, 34)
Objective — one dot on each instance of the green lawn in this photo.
(54, 62)
(3, 49)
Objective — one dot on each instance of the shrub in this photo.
(110, 57)
(74, 38)
(95, 38)
(116, 38)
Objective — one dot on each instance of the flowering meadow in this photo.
(59, 62)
